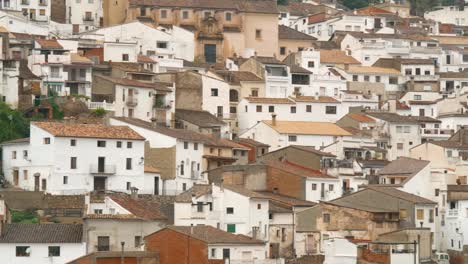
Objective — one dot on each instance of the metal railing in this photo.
(106, 169)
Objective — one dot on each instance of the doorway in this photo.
(100, 183)
(101, 164)
(36, 183)
(210, 53)
(156, 185)
(16, 177)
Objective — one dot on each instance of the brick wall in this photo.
(175, 247)
(295, 186)
(367, 255)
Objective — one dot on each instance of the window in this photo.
(293, 109)
(393, 80)
(161, 45)
(101, 144)
(331, 187)
(65, 179)
(403, 214)
(210, 206)
(308, 108)
(125, 57)
(200, 207)
(355, 78)
(366, 78)
(46, 141)
(271, 109)
(427, 72)
(42, 12)
(254, 93)
(449, 153)
(13, 155)
(195, 146)
(417, 97)
(163, 13)
(232, 109)
(24, 251)
(229, 210)
(420, 214)
(73, 163)
(185, 145)
(258, 33)
(214, 92)
(207, 14)
(55, 72)
(399, 146)
(431, 216)
(54, 251)
(367, 58)
(314, 186)
(407, 129)
(128, 186)
(258, 108)
(213, 252)
(326, 218)
(292, 138)
(282, 50)
(259, 206)
(228, 16)
(311, 64)
(231, 228)
(184, 186)
(128, 165)
(418, 71)
(330, 110)
(129, 145)
(25, 174)
(185, 14)
(97, 211)
(377, 79)
(119, 144)
(137, 241)
(73, 142)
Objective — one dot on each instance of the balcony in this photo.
(61, 59)
(397, 49)
(88, 19)
(374, 45)
(106, 169)
(131, 101)
(437, 132)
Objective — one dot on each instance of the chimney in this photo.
(134, 193)
(273, 119)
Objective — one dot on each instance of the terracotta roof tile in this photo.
(373, 69)
(267, 100)
(211, 235)
(361, 118)
(285, 32)
(307, 128)
(163, 87)
(298, 169)
(236, 77)
(49, 43)
(315, 99)
(77, 58)
(42, 233)
(199, 118)
(89, 131)
(140, 207)
(336, 57)
(145, 59)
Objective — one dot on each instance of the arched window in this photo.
(233, 96)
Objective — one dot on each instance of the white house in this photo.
(84, 12)
(229, 208)
(62, 158)
(42, 243)
(280, 134)
(32, 10)
(449, 15)
(14, 21)
(455, 224)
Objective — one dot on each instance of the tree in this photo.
(12, 124)
(355, 4)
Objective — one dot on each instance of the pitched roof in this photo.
(88, 130)
(267, 60)
(49, 43)
(163, 87)
(401, 194)
(42, 233)
(135, 67)
(307, 128)
(336, 57)
(269, 100)
(302, 9)
(236, 77)
(310, 149)
(361, 118)
(404, 166)
(211, 235)
(293, 68)
(449, 144)
(196, 191)
(199, 118)
(372, 69)
(140, 207)
(285, 32)
(392, 117)
(315, 99)
(16, 141)
(286, 200)
(25, 72)
(77, 58)
(302, 171)
(250, 142)
(457, 192)
(144, 59)
(248, 6)
(372, 10)
(454, 75)
(64, 201)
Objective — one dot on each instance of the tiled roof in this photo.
(454, 75)
(307, 128)
(25, 72)
(236, 77)
(372, 69)
(211, 235)
(301, 9)
(77, 58)
(317, 18)
(311, 149)
(64, 201)
(336, 57)
(49, 43)
(16, 141)
(285, 32)
(449, 144)
(42, 233)
(315, 99)
(402, 106)
(402, 195)
(361, 118)
(268, 100)
(420, 102)
(199, 118)
(392, 117)
(417, 61)
(88, 131)
(196, 191)
(144, 59)
(111, 216)
(298, 170)
(372, 10)
(251, 142)
(298, 69)
(451, 40)
(415, 37)
(267, 60)
(131, 67)
(140, 207)
(163, 87)
(248, 6)
(286, 200)
(404, 166)
(457, 192)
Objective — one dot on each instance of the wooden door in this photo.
(99, 183)
(16, 177)
(210, 53)
(36, 183)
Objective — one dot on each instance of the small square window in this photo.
(72, 142)
(163, 13)
(186, 145)
(23, 251)
(101, 144)
(258, 33)
(293, 109)
(185, 14)
(65, 179)
(271, 109)
(314, 186)
(326, 218)
(47, 141)
(119, 144)
(259, 108)
(129, 144)
(228, 16)
(292, 138)
(229, 210)
(259, 206)
(214, 92)
(282, 50)
(311, 64)
(125, 57)
(331, 187)
(308, 108)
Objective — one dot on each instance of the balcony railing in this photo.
(452, 213)
(435, 131)
(88, 19)
(106, 169)
(131, 101)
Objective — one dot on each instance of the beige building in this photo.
(222, 28)
(290, 40)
